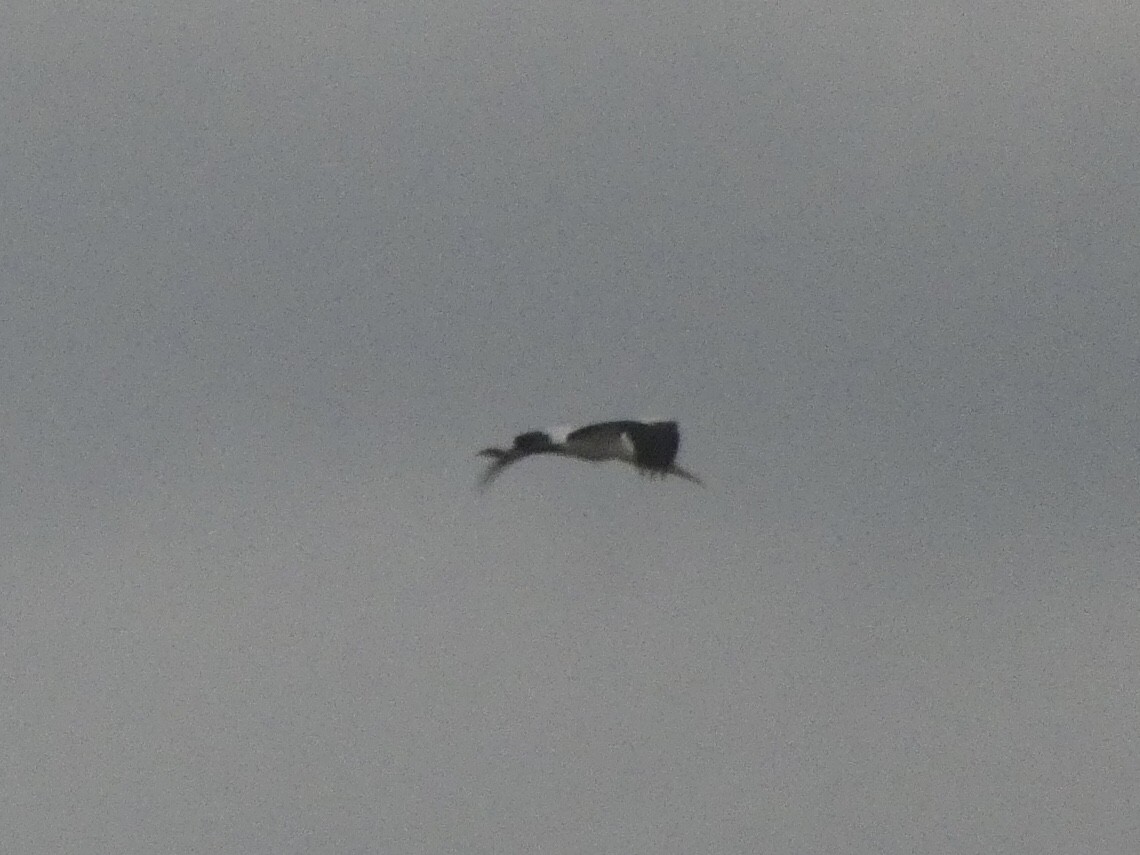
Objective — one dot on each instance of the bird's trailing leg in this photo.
(674, 469)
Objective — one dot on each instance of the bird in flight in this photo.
(650, 446)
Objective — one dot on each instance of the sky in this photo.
(270, 275)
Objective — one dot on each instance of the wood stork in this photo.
(651, 446)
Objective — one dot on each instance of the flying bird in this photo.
(651, 446)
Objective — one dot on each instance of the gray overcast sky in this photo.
(272, 272)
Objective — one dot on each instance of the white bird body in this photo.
(601, 446)
(651, 446)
